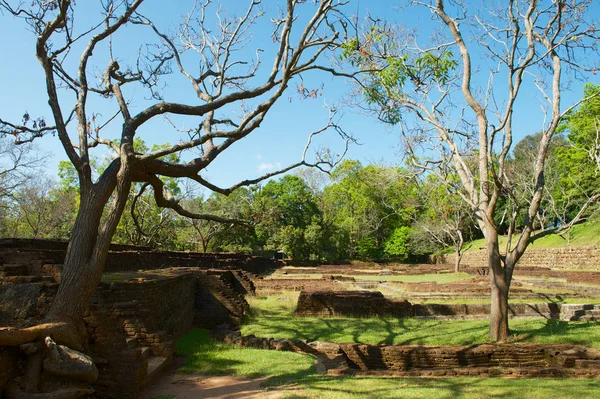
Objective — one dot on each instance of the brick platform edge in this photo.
(484, 360)
(133, 324)
(374, 303)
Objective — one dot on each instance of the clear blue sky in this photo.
(281, 138)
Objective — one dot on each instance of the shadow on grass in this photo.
(372, 330)
(205, 355)
(558, 331)
(295, 375)
(266, 322)
(446, 388)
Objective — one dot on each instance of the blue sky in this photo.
(282, 136)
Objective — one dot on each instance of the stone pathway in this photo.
(185, 386)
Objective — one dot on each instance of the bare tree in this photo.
(42, 210)
(17, 164)
(446, 219)
(209, 57)
(460, 111)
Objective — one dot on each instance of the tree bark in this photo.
(499, 310)
(459, 254)
(457, 260)
(88, 248)
(499, 297)
(500, 285)
(80, 276)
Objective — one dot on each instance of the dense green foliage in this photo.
(368, 212)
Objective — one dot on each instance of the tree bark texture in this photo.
(500, 285)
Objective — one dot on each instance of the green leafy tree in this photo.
(397, 246)
(369, 203)
(207, 235)
(290, 218)
(579, 158)
(445, 219)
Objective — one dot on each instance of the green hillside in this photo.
(581, 235)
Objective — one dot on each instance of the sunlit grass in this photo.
(440, 278)
(293, 375)
(204, 355)
(321, 387)
(273, 317)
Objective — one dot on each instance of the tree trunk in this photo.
(80, 276)
(499, 310)
(499, 296)
(459, 254)
(500, 283)
(88, 248)
(457, 260)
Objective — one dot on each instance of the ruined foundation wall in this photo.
(373, 303)
(584, 258)
(131, 321)
(123, 258)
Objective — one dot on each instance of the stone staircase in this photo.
(20, 273)
(576, 312)
(245, 280)
(226, 293)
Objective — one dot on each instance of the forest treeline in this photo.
(357, 211)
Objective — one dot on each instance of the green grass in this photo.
(454, 301)
(581, 235)
(278, 275)
(318, 387)
(210, 357)
(441, 278)
(293, 375)
(272, 317)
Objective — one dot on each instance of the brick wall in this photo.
(584, 258)
(36, 253)
(484, 360)
(350, 303)
(130, 321)
(373, 303)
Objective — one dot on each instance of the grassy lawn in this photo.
(210, 357)
(441, 278)
(453, 301)
(294, 375)
(444, 388)
(272, 317)
(279, 274)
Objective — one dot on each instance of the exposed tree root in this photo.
(63, 333)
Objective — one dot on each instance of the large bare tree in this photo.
(210, 50)
(458, 98)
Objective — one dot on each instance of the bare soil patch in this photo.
(186, 386)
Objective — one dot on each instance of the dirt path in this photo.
(182, 386)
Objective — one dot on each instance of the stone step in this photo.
(156, 366)
(146, 352)
(592, 312)
(29, 279)
(14, 270)
(131, 343)
(587, 364)
(587, 318)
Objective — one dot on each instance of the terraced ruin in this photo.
(148, 299)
